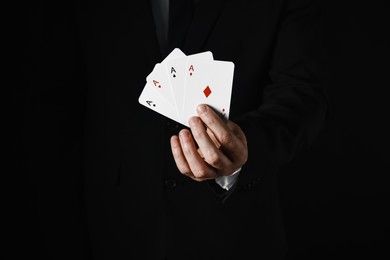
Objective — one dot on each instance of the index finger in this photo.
(210, 118)
(230, 142)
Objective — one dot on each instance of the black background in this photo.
(335, 196)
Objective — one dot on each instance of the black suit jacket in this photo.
(105, 184)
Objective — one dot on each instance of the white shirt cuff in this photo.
(226, 182)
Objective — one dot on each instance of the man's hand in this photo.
(215, 148)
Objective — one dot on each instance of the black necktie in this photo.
(180, 16)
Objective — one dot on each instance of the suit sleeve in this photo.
(294, 106)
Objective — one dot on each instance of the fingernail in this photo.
(191, 122)
(184, 135)
(202, 109)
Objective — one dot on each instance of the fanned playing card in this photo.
(176, 69)
(178, 84)
(154, 101)
(207, 83)
(159, 81)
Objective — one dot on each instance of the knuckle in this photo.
(197, 135)
(209, 119)
(189, 153)
(188, 150)
(226, 138)
(213, 159)
(183, 169)
(199, 173)
(176, 152)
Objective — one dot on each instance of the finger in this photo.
(221, 131)
(198, 166)
(180, 160)
(212, 155)
(237, 132)
(213, 138)
(240, 154)
(229, 135)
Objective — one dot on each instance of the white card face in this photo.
(175, 53)
(178, 84)
(176, 70)
(208, 83)
(159, 80)
(153, 100)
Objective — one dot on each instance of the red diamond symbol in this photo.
(207, 91)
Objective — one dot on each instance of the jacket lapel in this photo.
(205, 17)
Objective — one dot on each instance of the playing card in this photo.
(207, 82)
(153, 100)
(176, 70)
(159, 81)
(158, 78)
(175, 53)
(178, 84)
